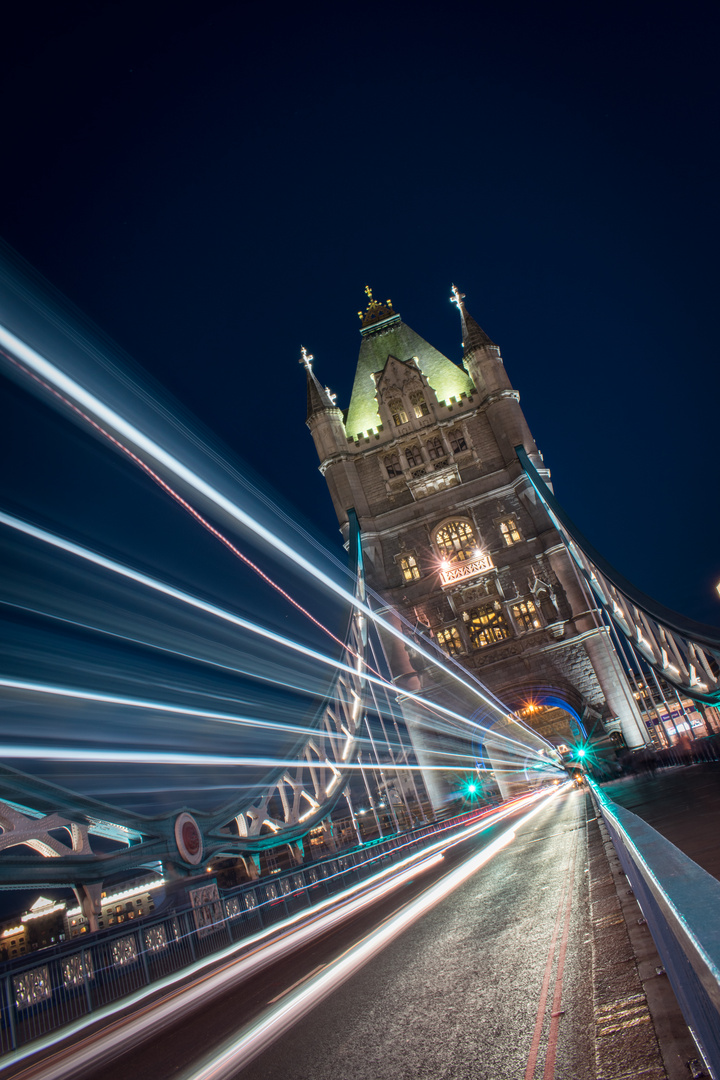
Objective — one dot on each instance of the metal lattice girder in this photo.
(686, 653)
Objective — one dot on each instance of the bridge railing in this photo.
(53, 987)
(680, 903)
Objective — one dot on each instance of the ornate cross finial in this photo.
(333, 397)
(306, 358)
(368, 292)
(457, 297)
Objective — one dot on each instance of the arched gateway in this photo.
(456, 538)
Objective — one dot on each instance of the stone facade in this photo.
(453, 534)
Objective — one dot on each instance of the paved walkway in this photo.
(682, 803)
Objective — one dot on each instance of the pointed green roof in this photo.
(396, 338)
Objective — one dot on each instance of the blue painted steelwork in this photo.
(680, 902)
(684, 652)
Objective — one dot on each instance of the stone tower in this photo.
(453, 535)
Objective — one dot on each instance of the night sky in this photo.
(214, 185)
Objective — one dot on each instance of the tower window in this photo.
(487, 625)
(397, 411)
(457, 442)
(392, 464)
(450, 641)
(413, 455)
(410, 568)
(435, 448)
(456, 541)
(526, 616)
(510, 532)
(419, 404)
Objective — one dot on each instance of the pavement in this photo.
(682, 803)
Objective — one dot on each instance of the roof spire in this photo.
(317, 397)
(474, 337)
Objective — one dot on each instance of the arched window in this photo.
(419, 404)
(456, 541)
(435, 448)
(413, 455)
(457, 442)
(486, 625)
(392, 464)
(397, 411)
(450, 641)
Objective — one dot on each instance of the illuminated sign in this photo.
(454, 572)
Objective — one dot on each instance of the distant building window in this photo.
(450, 641)
(419, 404)
(510, 532)
(413, 455)
(457, 442)
(410, 568)
(526, 616)
(397, 411)
(456, 541)
(392, 464)
(435, 448)
(486, 625)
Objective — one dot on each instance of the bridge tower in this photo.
(454, 536)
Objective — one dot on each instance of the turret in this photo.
(323, 416)
(482, 360)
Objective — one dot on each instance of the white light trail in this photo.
(122, 570)
(287, 936)
(257, 1036)
(42, 368)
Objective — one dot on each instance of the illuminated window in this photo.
(456, 541)
(397, 410)
(413, 455)
(392, 464)
(526, 616)
(419, 404)
(450, 641)
(457, 442)
(410, 568)
(510, 532)
(486, 625)
(435, 448)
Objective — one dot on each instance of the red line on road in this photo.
(555, 1014)
(535, 1045)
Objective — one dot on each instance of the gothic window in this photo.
(457, 442)
(392, 464)
(410, 568)
(486, 625)
(419, 404)
(450, 641)
(510, 532)
(397, 411)
(435, 448)
(526, 616)
(456, 541)
(413, 455)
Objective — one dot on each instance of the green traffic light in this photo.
(581, 752)
(472, 788)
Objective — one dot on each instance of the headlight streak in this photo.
(153, 1017)
(258, 1035)
(102, 561)
(79, 399)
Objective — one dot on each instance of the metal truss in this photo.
(73, 836)
(684, 652)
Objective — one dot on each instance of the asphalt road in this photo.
(467, 991)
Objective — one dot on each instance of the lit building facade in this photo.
(454, 537)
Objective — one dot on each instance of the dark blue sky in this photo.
(214, 184)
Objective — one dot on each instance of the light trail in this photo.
(258, 1035)
(291, 933)
(102, 561)
(82, 402)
